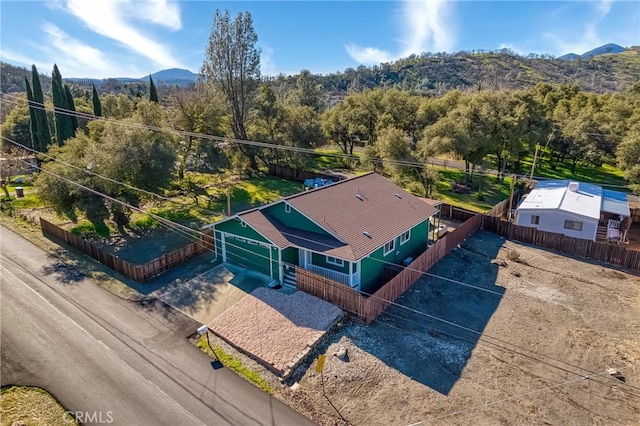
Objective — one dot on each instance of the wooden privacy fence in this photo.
(367, 308)
(451, 212)
(587, 249)
(138, 273)
(299, 175)
(635, 215)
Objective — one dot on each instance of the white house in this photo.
(576, 209)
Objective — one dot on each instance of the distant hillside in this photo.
(12, 78)
(435, 74)
(173, 76)
(602, 50)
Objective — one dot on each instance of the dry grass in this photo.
(23, 405)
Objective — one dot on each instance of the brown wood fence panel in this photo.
(456, 213)
(393, 289)
(334, 292)
(299, 175)
(593, 250)
(138, 273)
(635, 215)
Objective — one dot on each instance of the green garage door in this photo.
(248, 254)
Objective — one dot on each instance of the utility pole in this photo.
(513, 183)
(535, 155)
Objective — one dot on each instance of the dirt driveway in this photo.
(531, 345)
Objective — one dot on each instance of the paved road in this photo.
(129, 362)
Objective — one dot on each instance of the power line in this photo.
(166, 222)
(180, 230)
(377, 160)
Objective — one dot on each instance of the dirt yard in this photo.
(533, 348)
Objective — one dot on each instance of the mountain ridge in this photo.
(609, 48)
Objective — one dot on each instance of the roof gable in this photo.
(365, 212)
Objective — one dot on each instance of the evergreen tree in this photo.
(64, 124)
(42, 124)
(97, 106)
(153, 94)
(32, 116)
(71, 106)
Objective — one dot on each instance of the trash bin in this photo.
(19, 192)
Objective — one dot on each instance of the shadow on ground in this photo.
(61, 271)
(431, 333)
(207, 295)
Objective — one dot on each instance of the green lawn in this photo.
(261, 190)
(332, 159)
(604, 175)
(486, 191)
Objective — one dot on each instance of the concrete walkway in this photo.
(211, 293)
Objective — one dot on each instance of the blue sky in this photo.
(132, 38)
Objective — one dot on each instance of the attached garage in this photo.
(249, 254)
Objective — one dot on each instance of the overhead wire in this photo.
(180, 230)
(222, 139)
(164, 221)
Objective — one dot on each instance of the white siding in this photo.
(553, 221)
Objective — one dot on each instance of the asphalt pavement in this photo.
(116, 361)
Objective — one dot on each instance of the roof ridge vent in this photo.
(366, 234)
(359, 197)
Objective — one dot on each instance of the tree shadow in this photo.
(431, 332)
(61, 271)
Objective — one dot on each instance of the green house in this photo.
(348, 231)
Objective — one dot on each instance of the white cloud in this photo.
(77, 59)
(112, 19)
(368, 55)
(604, 6)
(425, 27)
(267, 64)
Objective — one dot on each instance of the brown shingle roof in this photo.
(368, 203)
(283, 236)
(347, 209)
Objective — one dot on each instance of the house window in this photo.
(335, 261)
(405, 237)
(389, 247)
(287, 208)
(573, 225)
(535, 219)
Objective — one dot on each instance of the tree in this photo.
(308, 92)
(40, 115)
(62, 102)
(33, 122)
(628, 157)
(233, 62)
(197, 110)
(153, 94)
(95, 99)
(136, 156)
(18, 126)
(338, 126)
(71, 107)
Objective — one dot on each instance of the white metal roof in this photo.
(555, 194)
